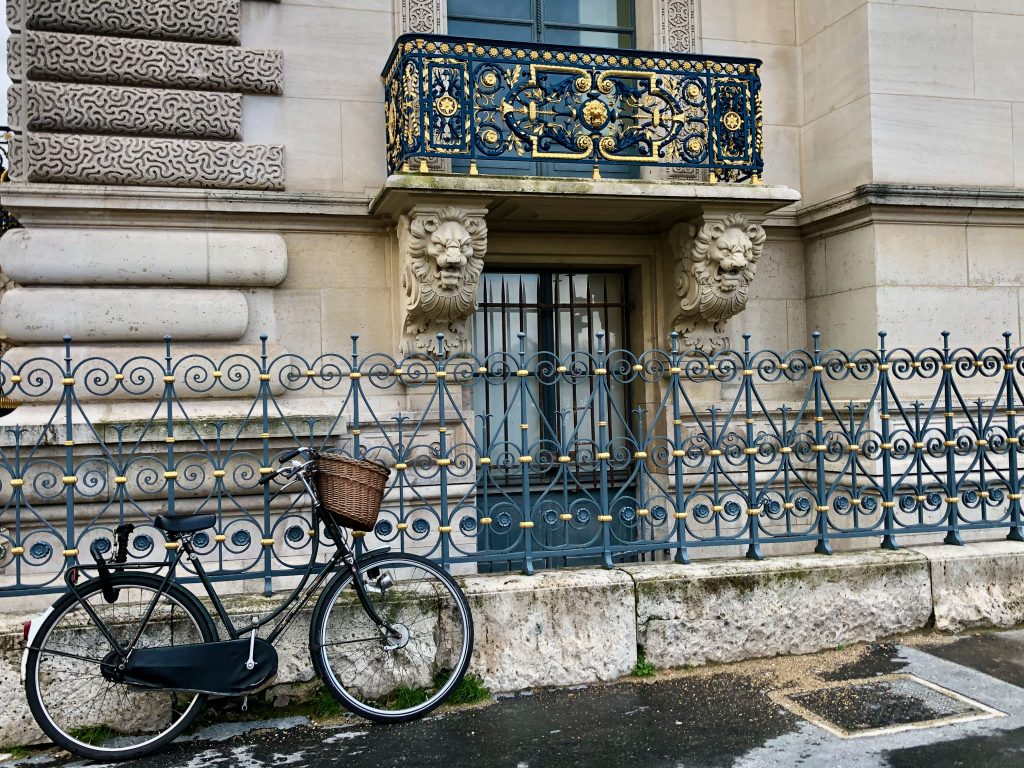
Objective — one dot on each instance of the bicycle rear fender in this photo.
(33, 630)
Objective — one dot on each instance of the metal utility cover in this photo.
(881, 705)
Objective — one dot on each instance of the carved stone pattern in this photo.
(678, 26)
(143, 111)
(443, 256)
(715, 267)
(211, 21)
(82, 159)
(425, 16)
(124, 61)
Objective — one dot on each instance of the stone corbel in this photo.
(715, 263)
(442, 250)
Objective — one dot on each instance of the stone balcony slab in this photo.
(542, 203)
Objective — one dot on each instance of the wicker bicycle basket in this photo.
(351, 490)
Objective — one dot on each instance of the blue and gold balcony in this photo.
(482, 101)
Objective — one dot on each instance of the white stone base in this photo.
(582, 626)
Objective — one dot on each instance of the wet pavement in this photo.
(732, 716)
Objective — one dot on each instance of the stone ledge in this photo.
(76, 108)
(978, 585)
(723, 611)
(554, 628)
(578, 626)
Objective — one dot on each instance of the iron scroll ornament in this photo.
(448, 97)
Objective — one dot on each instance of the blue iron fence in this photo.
(448, 97)
(805, 446)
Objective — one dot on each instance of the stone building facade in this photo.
(243, 142)
(218, 170)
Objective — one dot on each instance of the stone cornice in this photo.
(71, 205)
(909, 203)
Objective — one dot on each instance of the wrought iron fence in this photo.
(804, 446)
(483, 100)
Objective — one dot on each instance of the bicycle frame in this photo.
(289, 607)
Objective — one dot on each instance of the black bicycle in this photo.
(124, 661)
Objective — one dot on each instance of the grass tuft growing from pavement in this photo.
(644, 668)
(92, 734)
(470, 690)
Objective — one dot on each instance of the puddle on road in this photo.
(881, 705)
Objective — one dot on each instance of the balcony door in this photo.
(560, 313)
(590, 23)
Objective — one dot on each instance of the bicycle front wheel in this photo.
(71, 682)
(411, 666)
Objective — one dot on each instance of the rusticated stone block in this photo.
(124, 61)
(44, 315)
(210, 21)
(140, 111)
(723, 611)
(84, 159)
(115, 256)
(555, 628)
(977, 585)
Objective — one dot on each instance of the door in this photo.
(560, 313)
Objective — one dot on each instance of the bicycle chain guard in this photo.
(217, 668)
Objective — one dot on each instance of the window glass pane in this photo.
(598, 13)
(514, 33)
(495, 9)
(587, 37)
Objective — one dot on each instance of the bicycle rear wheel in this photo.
(406, 671)
(71, 690)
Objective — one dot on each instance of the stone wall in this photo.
(576, 627)
(78, 113)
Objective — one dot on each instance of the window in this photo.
(598, 23)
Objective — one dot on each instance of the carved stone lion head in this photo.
(445, 258)
(716, 267)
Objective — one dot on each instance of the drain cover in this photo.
(884, 704)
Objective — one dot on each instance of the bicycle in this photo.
(124, 661)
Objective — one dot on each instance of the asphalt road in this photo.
(729, 717)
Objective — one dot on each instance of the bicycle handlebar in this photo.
(282, 459)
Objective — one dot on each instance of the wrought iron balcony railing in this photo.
(7, 221)
(449, 97)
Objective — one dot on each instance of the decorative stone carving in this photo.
(715, 267)
(424, 16)
(211, 21)
(84, 159)
(443, 254)
(141, 111)
(677, 26)
(124, 61)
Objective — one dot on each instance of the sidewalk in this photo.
(731, 716)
